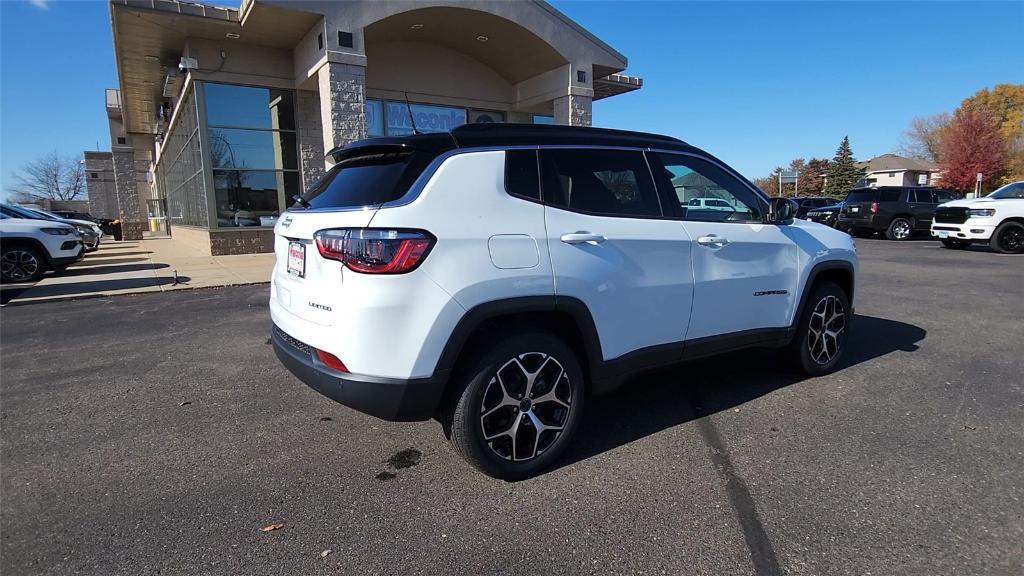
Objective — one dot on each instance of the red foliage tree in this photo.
(972, 143)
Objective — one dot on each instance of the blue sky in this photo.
(756, 83)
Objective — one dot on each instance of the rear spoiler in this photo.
(381, 146)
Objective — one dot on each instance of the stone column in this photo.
(574, 110)
(310, 133)
(99, 182)
(129, 210)
(342, 103)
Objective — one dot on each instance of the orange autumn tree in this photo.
(972, 143)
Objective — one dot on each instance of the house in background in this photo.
(893, 170)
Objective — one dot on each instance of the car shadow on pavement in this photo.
(107, 261)
(658, 400)
(97, 288)
(110, 269)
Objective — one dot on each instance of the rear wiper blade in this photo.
(301, 201)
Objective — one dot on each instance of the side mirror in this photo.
(780, 210)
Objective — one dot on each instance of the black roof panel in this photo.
(502, 134)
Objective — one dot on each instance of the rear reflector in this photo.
(375, 251)
(331, 361)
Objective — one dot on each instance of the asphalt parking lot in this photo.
(156, 434)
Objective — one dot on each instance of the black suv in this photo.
(896, 210)
(804, 204)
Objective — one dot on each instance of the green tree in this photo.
(842, 173)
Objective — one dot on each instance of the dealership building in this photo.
(223, 114)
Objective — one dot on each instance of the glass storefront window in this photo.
(249, 107)
(273, 150)
(179, 172)
(253, 152)
(251, 197)
(374, 118)
(429, 118)
(391, 117)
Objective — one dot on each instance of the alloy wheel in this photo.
(901, 230)
(525, 406)
(828, 321)
(18, 264)
(1012, 239)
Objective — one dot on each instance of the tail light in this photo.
(874, 207)
(375, 251)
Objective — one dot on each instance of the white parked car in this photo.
(997, 219)
(28, 248)
(494, 276)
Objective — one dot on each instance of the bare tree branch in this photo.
(52, 176)
(921, 138)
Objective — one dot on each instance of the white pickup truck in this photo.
(997, 219)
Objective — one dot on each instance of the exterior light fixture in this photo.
(416, 26)
(233, 35)
(482, 38)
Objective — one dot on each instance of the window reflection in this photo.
(249, 107)
(253, 151)
(251, 197)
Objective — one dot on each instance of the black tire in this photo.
(21, 263)
(1008, 238)
(806, 350)
(899, 229)
(481, 392)
(955, 244)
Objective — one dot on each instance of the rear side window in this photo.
(521, 176)
(889, 195)
(861, 196)
(924, 196)
(367, 180)
(609, 182)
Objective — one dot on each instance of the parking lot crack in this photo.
(762, 555)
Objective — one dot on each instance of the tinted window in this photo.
(942, 196)
(704, 191)
(922, 196)
(367, 180)
(889, 195)
(861, 196)
(609, 182)
(521, 177)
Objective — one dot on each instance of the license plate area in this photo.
(943, 233)
(297, 259)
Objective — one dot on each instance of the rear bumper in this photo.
(855, 223)
(386, 398)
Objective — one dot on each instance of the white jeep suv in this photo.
(997, 219)
(28, 248)
(494, 276)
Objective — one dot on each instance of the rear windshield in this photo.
(861, 196)
(367, 180)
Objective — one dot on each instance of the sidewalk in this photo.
(148, 265)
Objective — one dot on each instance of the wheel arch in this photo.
(31, 242)
(840, 272)
(566, 317)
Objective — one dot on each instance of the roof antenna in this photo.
(412, 119)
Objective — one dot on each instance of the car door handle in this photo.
(712, 240)
(581, 237)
